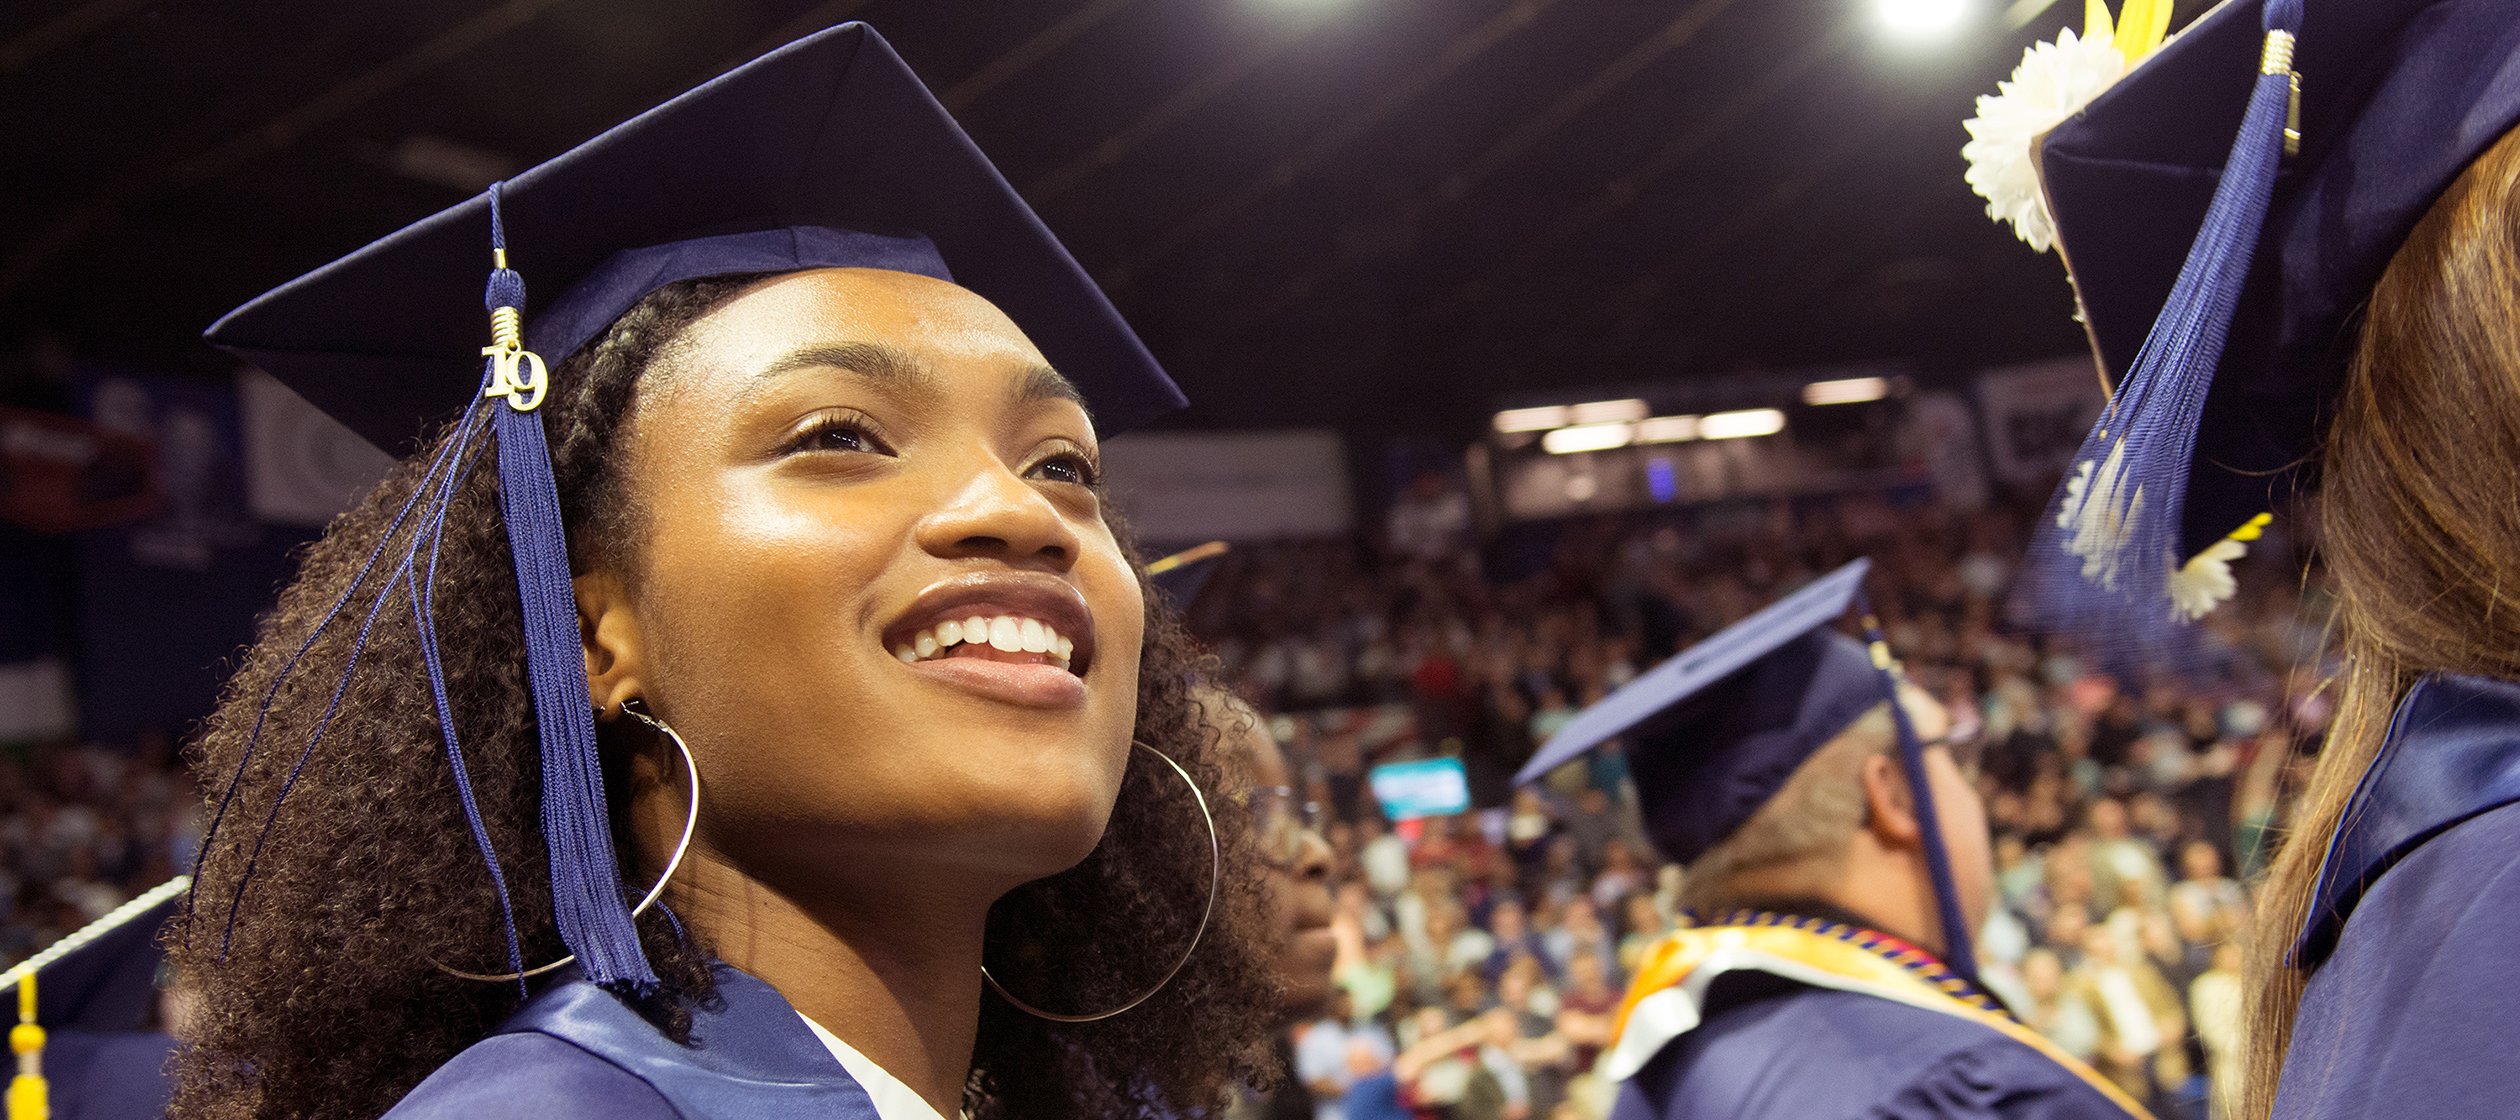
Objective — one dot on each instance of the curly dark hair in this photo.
(315, 923)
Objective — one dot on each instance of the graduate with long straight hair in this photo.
(740, 701)
(2295, 233)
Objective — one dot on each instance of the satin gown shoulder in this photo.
(1790, 1051)
(532, 1077)
(2417, 1011)
(574, 1052)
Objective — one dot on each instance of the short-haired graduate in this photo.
(2294, 232)
(1837, 859)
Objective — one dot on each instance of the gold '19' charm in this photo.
(515, 372)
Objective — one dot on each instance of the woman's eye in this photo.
(1071, 468)
(839, 433)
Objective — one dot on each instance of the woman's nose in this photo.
(990, 512)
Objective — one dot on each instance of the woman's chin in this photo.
(1044, 830)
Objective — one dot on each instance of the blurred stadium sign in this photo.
(1426, 787)
(1183, 487)
(301, 466)
(2036, 415)
(59, 474)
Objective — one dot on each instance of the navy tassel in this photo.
(586, 894)
(424, 623)
(1959, 948)
(2102, 564)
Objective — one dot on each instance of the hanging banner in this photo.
(1939, 432)
(60, 473)
(2036, 416)
(1182, 487)
(165, 602)
(301, 466)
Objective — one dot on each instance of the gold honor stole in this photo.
(1671, 982)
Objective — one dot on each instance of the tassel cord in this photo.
(253, 738)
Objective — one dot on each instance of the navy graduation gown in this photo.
(574, 1052)
(2414, 940)
(108, 1075)
(1774, 1048)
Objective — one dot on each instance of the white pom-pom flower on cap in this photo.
(2054, 81)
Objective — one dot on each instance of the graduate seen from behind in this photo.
(2294, 231)
(740, 701)
(1837, 857)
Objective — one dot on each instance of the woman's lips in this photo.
(990, 613)
(1028, 680)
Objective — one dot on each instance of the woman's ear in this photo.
(608, 630)
(1889, 811)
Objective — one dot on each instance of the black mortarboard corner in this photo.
(1713, 733)
(825, 153)
(2220, 274)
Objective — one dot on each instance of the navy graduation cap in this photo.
(827, 152)
(2224, 211)
(1713, 733)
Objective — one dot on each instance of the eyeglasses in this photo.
(1284, 823)
(1967, 749)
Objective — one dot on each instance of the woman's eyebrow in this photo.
(1042, 383)
(896, 368)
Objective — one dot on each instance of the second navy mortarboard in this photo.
(1714, 733)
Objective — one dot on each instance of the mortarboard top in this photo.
(2396, 98)
(1713, 733)
(825, 153)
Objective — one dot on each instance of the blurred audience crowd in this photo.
(1482, 956)
(84, 828)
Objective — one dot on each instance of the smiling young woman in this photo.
(839, 567)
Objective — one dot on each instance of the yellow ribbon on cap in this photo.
(2138, 30)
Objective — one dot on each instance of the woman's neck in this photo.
(894, 971)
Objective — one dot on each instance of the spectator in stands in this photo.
(1510, 932)
(1327, 1051)
(1294, 882)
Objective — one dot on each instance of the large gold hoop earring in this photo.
(691, 819)
(1216, 871)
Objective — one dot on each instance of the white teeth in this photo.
(1008, 633)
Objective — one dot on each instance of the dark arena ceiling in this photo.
(1383, 215)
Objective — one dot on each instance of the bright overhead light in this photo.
(1851, 390)
(1924, 20)
(1587, 437)
(1735, 425)
(1533, 419)
(1605, 412)
(1667, 429)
